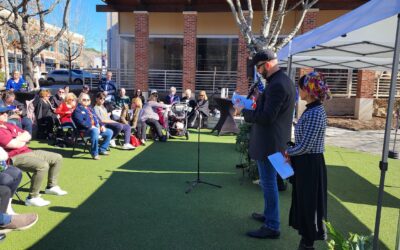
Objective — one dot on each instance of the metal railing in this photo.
(212, 81)
(163, 80)
(382, 85)
(342, 83)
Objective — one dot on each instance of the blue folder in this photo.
(281, 166)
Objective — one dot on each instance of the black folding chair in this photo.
(22, 186)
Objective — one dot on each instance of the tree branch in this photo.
(264, 32)
(59, 34)
(45, 12)
(271, 15)
(41, 16)
(294, 31)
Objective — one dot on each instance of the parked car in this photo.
(61, 76)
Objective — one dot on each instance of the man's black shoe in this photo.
(264, 233)
(258, 217)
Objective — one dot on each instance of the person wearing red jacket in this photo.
(66, 108)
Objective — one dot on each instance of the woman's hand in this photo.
(287, 157)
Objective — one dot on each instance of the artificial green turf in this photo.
(136, 200)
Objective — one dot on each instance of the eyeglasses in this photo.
(258, 65)
(85, 100)
(101, 98)
(62, 92)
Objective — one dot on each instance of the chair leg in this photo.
(74, 146)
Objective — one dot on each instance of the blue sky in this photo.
(85, 20)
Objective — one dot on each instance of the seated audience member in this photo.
(10, 177)
(108, 87)
(116, 127)
(45, 116)
(201, 109)
(122, 99)
(187, 97)
(17, 116)
(86, 119)
(16, 83)
(138, 93)
(57, 99)
(136, 106)
(172, 97)
(149, 117)
(122, 102)
(66, 108)
(38, 162)
(13, 221)
(85, 89)
(66, 89)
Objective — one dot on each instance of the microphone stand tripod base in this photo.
(194, 183)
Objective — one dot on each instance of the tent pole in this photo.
(289, 67)
(383, 164)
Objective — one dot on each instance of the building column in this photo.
(141, 50)
(310, 21)
(189, 50)
(242, 84)
(365, 95)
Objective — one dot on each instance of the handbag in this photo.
(135, 141)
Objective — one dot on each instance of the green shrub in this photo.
(242, 146)
(353, 242)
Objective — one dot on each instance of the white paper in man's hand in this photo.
(283, 168)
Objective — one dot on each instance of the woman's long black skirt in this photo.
(309, 196)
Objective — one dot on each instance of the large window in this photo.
(127, 53)
(166, 53)
(217, 54)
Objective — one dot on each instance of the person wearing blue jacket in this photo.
(16, 83)
(86, 119)
(108, 87)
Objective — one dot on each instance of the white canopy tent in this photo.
(344, 43)
(361, 39)
(370, 47)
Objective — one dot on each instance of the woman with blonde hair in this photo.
(66, 108)
(199, 111)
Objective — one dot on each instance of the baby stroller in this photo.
(178, 120)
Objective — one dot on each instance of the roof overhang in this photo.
(207, 5)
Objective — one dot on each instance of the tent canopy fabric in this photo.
(361, 39)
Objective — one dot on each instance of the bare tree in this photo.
(272, 22)
(4, 44)
(26, 17)
(71, 47)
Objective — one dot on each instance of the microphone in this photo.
(251, 90)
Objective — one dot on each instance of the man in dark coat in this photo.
(270, 132)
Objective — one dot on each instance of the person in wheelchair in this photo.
(148, 116)
(201, 109)
(116, 127)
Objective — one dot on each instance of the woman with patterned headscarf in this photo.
(309, 193)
